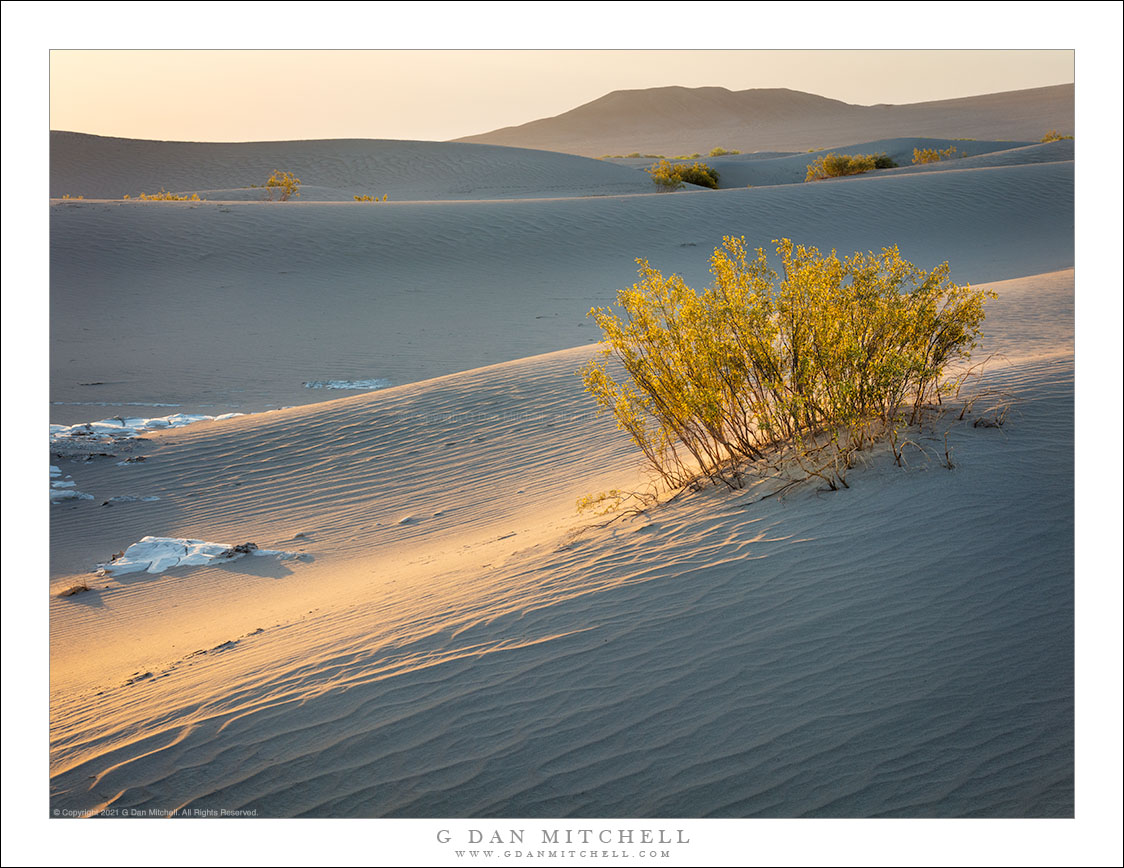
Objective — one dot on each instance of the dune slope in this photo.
(460, 646)
(336, 170)
(235, 307)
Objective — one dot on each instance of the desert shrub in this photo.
(672, 176)
(165, 196)
(837, 165)
(665, 175)
(805, 368)
(284, 184)
(931, 155)
(366, 198)
(700, 174)
(720, 152)
(1054, 136)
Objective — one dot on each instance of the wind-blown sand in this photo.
(456, 640)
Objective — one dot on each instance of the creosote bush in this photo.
(368, 198)
(802, 369)
(284, 184)
(721, 152)
(837, 165)
(1054, 136)
(931, 155)
(672, 176)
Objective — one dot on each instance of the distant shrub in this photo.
(665, 175)
(700, 174)
(930, 155)
(165, 196)
(837, 165)
(1054, 136)
(672, 176)
(68, 196)
(808, 368)
(370, 198)
(284, 184)
(721, 152)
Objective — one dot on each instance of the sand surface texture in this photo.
(446, 635)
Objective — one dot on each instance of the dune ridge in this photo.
(335, 170)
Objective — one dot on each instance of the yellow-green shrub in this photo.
(837, 165)
(367, 198)
(285, 184)
(672, 176)
(1054, 136)
(813, 365)
(931, 155)
(721, 152)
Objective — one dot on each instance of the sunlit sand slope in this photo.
(457, 648)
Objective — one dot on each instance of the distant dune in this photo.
(407, 291)
(677, 120)
(99, 167)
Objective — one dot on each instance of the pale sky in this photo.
(262, 95)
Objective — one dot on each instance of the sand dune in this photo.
(677, 120)
(751, 170)
(235, 307)
(457, 648)
(446, 635)
(337, 170)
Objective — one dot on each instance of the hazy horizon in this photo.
(233, 95)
